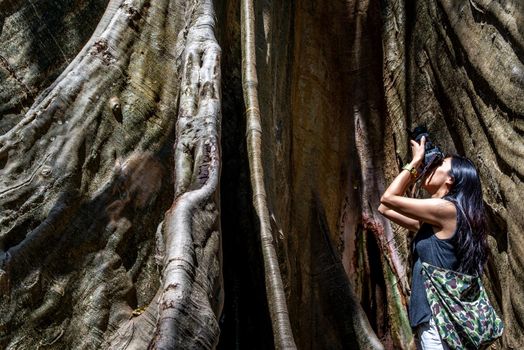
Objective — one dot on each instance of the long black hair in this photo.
(470, 239)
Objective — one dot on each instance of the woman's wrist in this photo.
(413, 167)
(415, 163)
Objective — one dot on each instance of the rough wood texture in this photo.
(458, 66)
(465, 82)
(85, 184)
(122, 225)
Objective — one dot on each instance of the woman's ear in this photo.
(449, 183)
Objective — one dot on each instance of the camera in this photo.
(433, 155)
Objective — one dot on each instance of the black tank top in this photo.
(439, 252)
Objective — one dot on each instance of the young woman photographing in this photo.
(450, 226)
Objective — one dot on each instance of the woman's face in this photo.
(436, 178)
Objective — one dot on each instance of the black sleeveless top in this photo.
(435, 251)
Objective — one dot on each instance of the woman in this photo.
(451, 228)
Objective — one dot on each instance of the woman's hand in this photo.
(418, 150)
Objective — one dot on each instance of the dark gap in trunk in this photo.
(245, 321)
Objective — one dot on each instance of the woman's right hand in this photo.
(418, 150)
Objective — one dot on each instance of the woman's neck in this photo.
(441, 192)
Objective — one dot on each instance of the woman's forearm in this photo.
(400, 184)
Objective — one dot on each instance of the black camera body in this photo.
(433, 155)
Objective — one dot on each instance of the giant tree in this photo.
(198, 173)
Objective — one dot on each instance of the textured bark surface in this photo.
(103, 244)
(148, 202)
(457, 67)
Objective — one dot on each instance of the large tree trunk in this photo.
(125, 140)
(119, 118)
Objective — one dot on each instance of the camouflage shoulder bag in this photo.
(463, 314)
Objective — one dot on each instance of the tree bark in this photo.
(206, 174)
(83, 165)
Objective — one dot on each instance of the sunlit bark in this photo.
(111, 144)
(85, 183)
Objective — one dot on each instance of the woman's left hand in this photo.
(418, 150)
